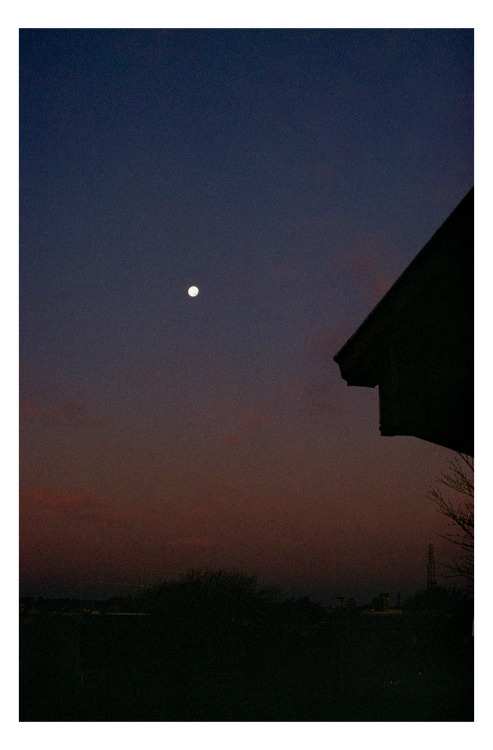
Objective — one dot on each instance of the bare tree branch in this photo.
(458, 510)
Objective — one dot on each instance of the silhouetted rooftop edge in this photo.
(417, 344)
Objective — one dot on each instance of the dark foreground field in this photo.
(352, 667)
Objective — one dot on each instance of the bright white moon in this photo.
(193, 291)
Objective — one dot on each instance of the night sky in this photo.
(291, 176)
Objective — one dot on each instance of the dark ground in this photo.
(351, 667)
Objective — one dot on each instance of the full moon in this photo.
(193, 291)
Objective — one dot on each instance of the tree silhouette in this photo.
(207, 595)
(458, 509)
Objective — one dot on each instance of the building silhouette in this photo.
(417, 344)
(381, 602)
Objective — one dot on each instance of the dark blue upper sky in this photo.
(291, 175)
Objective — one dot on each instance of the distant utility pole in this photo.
(431, 580)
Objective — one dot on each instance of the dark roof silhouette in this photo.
(417, 344)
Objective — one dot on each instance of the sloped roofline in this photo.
(358, 357)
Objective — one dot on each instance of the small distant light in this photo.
(193, 291)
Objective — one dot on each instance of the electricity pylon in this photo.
(431, 580)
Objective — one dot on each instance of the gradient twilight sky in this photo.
(292, 176)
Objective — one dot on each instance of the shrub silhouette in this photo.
(439, 600)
